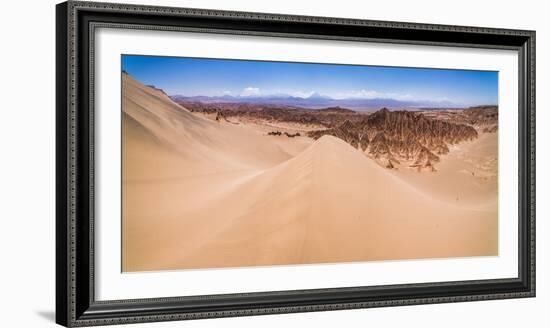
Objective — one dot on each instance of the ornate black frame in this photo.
(75, 302)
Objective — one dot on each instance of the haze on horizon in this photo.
(247, 79)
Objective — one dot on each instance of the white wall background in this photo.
(27, 162)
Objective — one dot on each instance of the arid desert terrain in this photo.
(231, 185)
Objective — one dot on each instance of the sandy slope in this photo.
(202, 194)
(467, 176)
(178, 132)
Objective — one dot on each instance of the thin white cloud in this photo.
(443, 99)
(365, 94)
(371, 94)
(250, 91)
(401, 96)
(302, 94)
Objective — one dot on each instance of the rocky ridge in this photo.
(401, 137)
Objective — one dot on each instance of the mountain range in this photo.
(317, 100)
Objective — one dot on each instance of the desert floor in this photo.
(202, 194)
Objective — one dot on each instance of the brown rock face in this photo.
(401, 136)
(404, 125)
(348, 132)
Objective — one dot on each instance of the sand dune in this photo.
(151, 117)
(202, 194)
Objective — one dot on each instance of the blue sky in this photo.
(216, 77)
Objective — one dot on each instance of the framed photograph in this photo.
(215, 164)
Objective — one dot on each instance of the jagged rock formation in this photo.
(401, 136)
(347, 131)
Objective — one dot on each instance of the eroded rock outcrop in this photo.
(395, 137)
